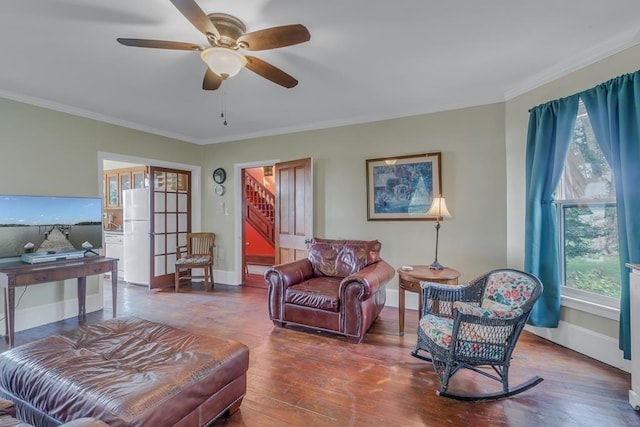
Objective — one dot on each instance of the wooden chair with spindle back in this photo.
(197, 253)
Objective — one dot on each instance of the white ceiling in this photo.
(366, 60)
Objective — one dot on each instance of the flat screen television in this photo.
(48, 223)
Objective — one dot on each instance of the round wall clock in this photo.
(219, 190)
(219, 175)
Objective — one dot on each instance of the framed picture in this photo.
(401, 188)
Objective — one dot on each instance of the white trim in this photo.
(82, 112)
(580, 304)
(237, 221)
(226, 277)
(595, 345)
(634, 400)
(577, 62)
(30, 317)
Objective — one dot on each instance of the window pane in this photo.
(588, 229)
(592, 260)
(587, 175)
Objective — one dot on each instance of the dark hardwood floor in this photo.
(255, 281)
(299, 378)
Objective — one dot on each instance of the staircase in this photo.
(260, 208)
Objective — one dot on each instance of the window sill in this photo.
(596, 309)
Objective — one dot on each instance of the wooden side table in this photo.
(409, 280)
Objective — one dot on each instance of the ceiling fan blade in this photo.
(275, 37)
(196, 16)
(160, 44)
(270, 72)
(212, 81)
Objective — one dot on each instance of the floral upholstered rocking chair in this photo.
(476, 326)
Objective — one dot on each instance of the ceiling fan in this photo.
(226, 35)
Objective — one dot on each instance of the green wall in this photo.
(473, 173)
(44, 152)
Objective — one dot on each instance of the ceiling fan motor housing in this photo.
(230, 29)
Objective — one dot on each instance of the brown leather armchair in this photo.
(340, 287)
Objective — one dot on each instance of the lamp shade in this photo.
(223, 61)
(438, 208)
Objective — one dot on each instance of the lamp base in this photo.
(436, 265)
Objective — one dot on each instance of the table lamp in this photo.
(439, 210)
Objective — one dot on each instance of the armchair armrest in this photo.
(486, 333)
(371, 278)
(279, 278)
(285, 275)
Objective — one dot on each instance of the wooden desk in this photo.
(409, 280)
(15, 274)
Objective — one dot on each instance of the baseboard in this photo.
(411, 299)
(256, 269)
(30, 317)
(225, 277)
(597, 346)
(634, 400)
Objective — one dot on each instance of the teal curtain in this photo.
(550, 130)
(614, 111)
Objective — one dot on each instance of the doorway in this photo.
(293, 213)
(258, 224)
(107, 164)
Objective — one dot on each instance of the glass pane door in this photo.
(171, 221)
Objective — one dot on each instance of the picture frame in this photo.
(402, 188)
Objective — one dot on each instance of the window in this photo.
(587, 225)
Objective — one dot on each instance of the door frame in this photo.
(196, 181)
(238, 196)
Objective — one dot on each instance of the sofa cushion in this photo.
(319, 292)
(341, 258)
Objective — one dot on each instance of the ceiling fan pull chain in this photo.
(223, 107)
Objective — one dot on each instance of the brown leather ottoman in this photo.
(125, 372)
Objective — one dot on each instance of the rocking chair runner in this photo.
(477, 326)
(197, 253)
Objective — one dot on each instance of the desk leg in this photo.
(6, 310)
(10, 307)
(82, 297)
(401, 309)
(114, 289)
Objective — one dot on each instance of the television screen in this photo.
(46, 223)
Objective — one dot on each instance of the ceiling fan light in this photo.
(223, 61)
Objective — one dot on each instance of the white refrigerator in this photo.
(137, 250)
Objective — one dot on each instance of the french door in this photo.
(170, 207)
